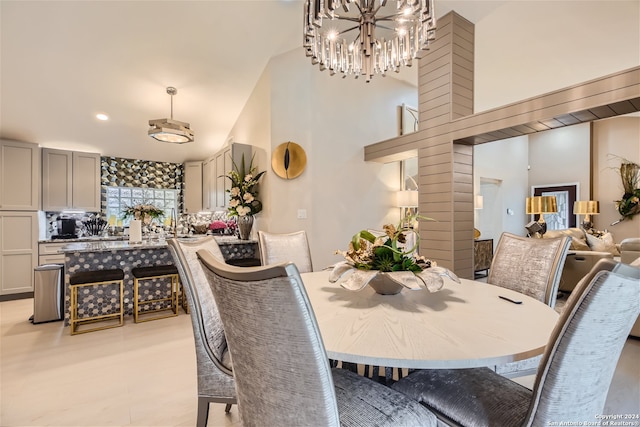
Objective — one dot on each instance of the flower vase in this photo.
(245, 223)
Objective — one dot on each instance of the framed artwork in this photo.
(408, 119)
(565, 194)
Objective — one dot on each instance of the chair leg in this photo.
(227, 408)
(203, 412)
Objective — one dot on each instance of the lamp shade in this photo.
(586, 207)
(549, 204)
(479, 202)
(541, 204)
(407, 199)
(533, 205)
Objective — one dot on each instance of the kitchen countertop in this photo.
(111, 244)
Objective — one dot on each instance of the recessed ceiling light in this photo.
(102, 117)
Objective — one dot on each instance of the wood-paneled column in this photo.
(445, 85)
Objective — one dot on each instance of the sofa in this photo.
(630, 250)
(585, 250)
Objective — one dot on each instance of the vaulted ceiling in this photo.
(62, 62)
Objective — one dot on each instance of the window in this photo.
(120, 198)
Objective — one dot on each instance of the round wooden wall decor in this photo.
(288, 160)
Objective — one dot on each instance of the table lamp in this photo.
(586, 208)
(407, 200)
(540, 205)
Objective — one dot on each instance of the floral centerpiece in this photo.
(145, 213)
(243, 195)
(388, 261)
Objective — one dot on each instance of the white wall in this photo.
(505, 164)
(562, 157)
(614, 138)
(526, 48)
(332, 119)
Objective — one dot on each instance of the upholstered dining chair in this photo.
(215, 378)
(574, 376)
(529, 266)
(289, 247)
(280, 365)
(532, 267)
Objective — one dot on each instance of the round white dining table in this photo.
(463, 325)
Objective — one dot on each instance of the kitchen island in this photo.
(108, 254)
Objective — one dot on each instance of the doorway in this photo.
(488, 219)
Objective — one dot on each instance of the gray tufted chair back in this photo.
(300, 391)
(583, 351)
(215, 377)
(529, 266)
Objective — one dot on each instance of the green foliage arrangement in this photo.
(389, 252)
(629, 205)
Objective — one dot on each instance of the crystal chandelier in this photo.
(409, 27)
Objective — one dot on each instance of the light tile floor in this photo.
(142, 374)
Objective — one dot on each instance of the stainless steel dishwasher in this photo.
(48, 293)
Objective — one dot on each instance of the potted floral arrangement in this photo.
(629, 205)
(243, 195)
(388, 262)
(145, 213)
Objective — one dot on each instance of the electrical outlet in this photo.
(302, 214)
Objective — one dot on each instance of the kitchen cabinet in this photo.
(192, 192)
(224, 160)
(205, 181)
(48, 253)
(18, 251)
(70, 180)
(19, 176)
(208, 184)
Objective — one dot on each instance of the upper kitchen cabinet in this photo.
(224, 160)
(19, 176)
(192, 187)
(70, 180)
(209, 184)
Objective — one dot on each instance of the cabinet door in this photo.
(208, 184)
(86, 182)
(192, 187)
(19, 176)
(57, 169)
(18, 251)
(222, 183)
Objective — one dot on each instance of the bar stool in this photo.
(87, 279)
(150, 273)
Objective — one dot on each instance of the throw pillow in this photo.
(603, 244)
(578, 239)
